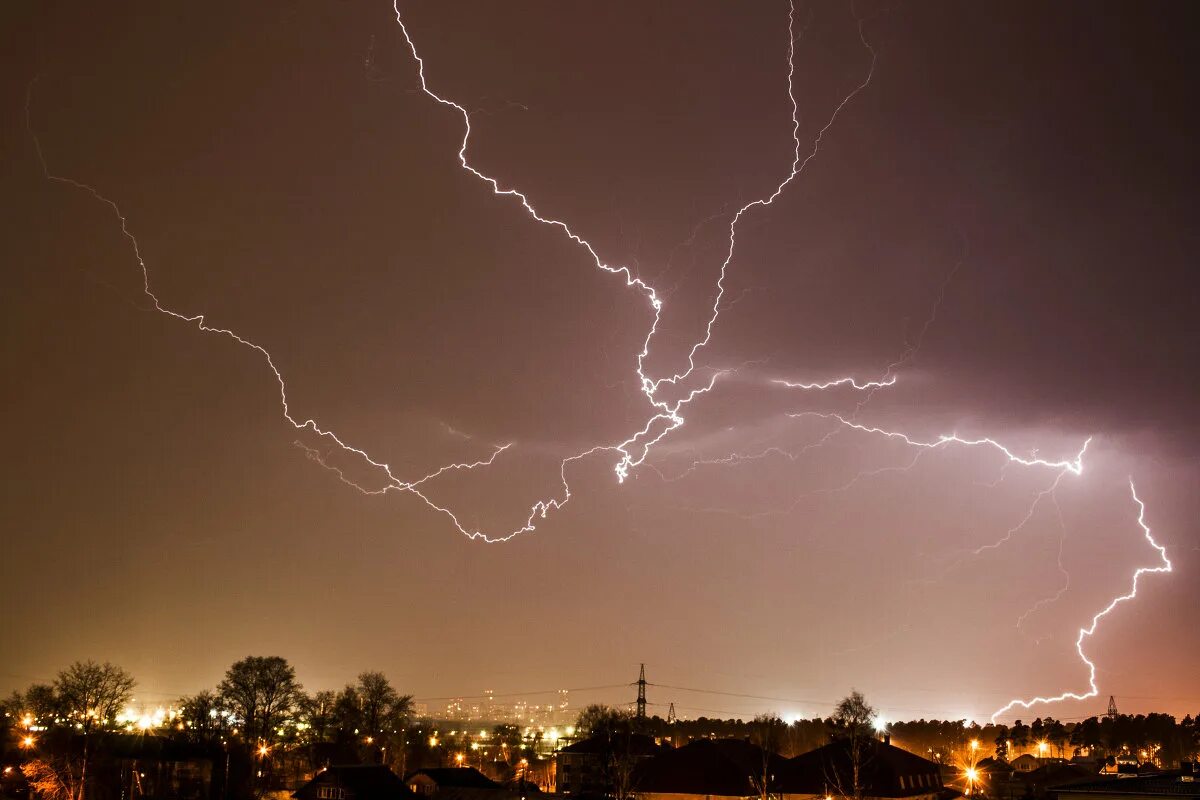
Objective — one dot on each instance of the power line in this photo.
(521, 694)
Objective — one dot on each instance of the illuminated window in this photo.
(331, 793)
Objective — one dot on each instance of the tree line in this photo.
(76, 738)
(71, 737)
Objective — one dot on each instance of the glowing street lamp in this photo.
(1042, 748)
(28, 742)
(972, 775)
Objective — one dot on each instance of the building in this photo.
(710, 768)
(356, 782)
(602, 764)
(885, 771)
(1177, 785)
(1042, 782)
(451, 782)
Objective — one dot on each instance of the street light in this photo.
(972, 776)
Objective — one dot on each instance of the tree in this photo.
(263, 693)
(597, 719)
(854, 717)
(1019, 734)
(768, 732)
(91, 694)
(374, 715)
(317, 712)
(205, 719)
(853, 722)
(1001, 741)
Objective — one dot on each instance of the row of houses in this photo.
(636, 766)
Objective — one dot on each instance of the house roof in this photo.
(1165, 784)
(365, 782)
(456, 778)
(881, 769)
(723, 767)
(634, 744)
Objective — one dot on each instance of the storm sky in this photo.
(1007, 209)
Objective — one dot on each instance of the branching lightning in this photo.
(1090, 630)
(1062, 570)
(666, 395)
(632, 451)
(1073, 465)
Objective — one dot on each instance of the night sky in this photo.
(1008, 209)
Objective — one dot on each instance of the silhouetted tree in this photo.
(91, 695)
(853, 722)
(263, 693)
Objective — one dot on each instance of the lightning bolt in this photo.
(666, 416)
(632, 452)
(665, 412)
(1066, 585)
(1090, 630)
(836, 382)
(1073, 465)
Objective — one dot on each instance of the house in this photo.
(709, 768)
(602, 764)
(427, 782)
(1177, 785)
(1025, 763)
(885, 771)
(355, 782)
(993, 769)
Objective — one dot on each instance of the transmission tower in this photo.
(671, 715)
(1112, 707)
(641, 701)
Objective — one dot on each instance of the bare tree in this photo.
(47, 780)
(853, 724)
(375, 714)
(205, 717)
(767, 731)
(263, 692)
(91, 694)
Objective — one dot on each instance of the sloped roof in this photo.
(1167, 785)
(365, 781)
(634, 744)
(881, 770)
(456, 778)
(724, 767)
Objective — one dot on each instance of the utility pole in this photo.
(641, 700)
